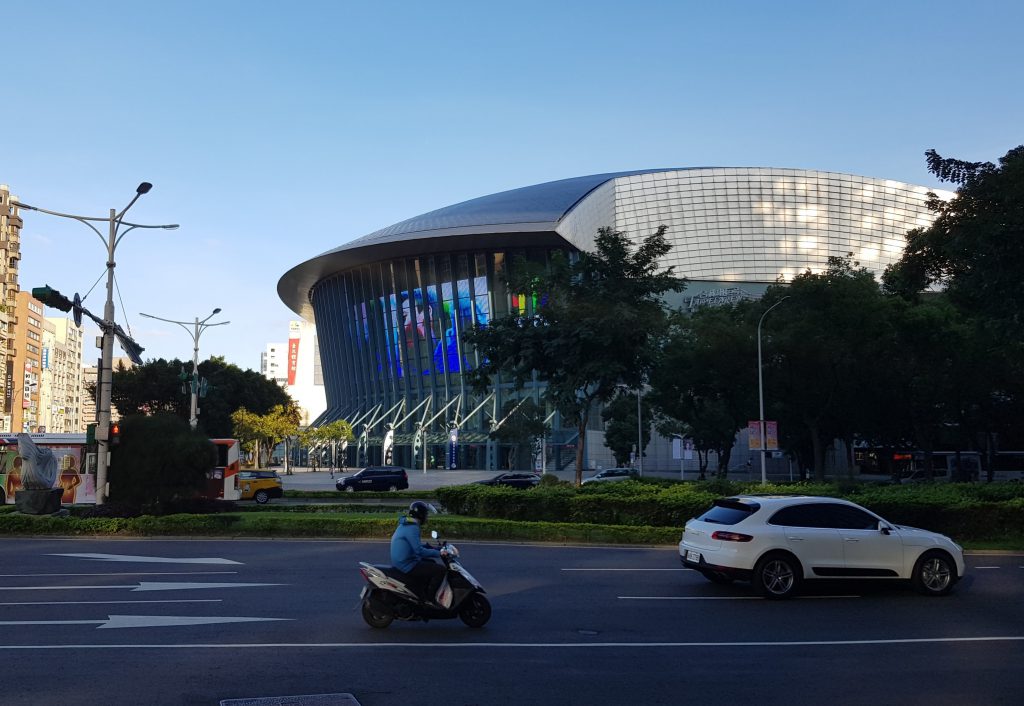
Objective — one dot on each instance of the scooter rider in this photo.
(410, 555)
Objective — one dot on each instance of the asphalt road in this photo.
(571, 625)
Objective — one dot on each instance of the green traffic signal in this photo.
(52, 298)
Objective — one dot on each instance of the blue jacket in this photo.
(406, 547)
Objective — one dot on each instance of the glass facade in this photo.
(391, 331)
(390, 308)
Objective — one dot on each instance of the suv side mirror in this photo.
(433, 534)
(884, 528)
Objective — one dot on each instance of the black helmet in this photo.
(419, 511)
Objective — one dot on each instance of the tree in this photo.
(704, 384)
(597, 324)
(159, 459)
(281, 423)
(248, 428)
(326, 435)
(156, 386)
(521, 423)
(820, 353)
(621, 426)
(975, 246)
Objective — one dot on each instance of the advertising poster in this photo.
(434, 317)
(754, 435)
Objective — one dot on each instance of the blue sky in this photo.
(273, 132)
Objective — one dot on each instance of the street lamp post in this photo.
(639, 436)
(760, 389)
(197, 330)
(114, 222)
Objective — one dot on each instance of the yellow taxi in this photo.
(260, 486)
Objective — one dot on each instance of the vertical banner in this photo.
(771, 431)
(293, 359)
(453, 448)
(754, 435)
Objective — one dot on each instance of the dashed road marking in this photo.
(714, 598)
(128, 573)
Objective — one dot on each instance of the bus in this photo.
(907, 466)
(75, 461)
(944, 467)
(1008, 466)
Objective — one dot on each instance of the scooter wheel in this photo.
(476, 611)
(378, 618)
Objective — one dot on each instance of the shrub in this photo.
(159, 459)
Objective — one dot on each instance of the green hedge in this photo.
(963, 511)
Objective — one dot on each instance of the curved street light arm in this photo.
(81, 219)
(760, 392)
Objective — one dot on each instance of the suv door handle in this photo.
(796, 539)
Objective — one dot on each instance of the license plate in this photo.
(693, 556)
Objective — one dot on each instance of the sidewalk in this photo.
(304, 478)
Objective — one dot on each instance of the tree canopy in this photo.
(159, 459)
(975, 246)
(156, 386)
(597, 325)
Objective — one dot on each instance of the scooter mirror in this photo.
(433, 534)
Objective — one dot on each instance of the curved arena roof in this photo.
(726, 224)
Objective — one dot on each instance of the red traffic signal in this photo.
(114, 438)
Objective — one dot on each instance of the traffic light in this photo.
(90, 434)
(51, 297)
(114, 437)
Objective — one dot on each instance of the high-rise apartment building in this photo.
(10, 254)
(273, 363)
(88, 399)
(61, 389)
(28, 363)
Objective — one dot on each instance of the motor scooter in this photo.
(388, 595)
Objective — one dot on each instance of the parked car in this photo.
(776, 542)
(612, 474)
(375, 478)
(260, 486)
(513, 480)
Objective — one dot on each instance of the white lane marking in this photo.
(179, 600)
(144, 621)
(171, 586)
(713, 598)
(984, 567)
(627, 569)
(690, 598)
(129, 573)
(151, 559)
(143, 586)
(516, 645)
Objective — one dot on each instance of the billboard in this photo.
(434, 316)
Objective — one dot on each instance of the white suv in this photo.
(778, 541)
